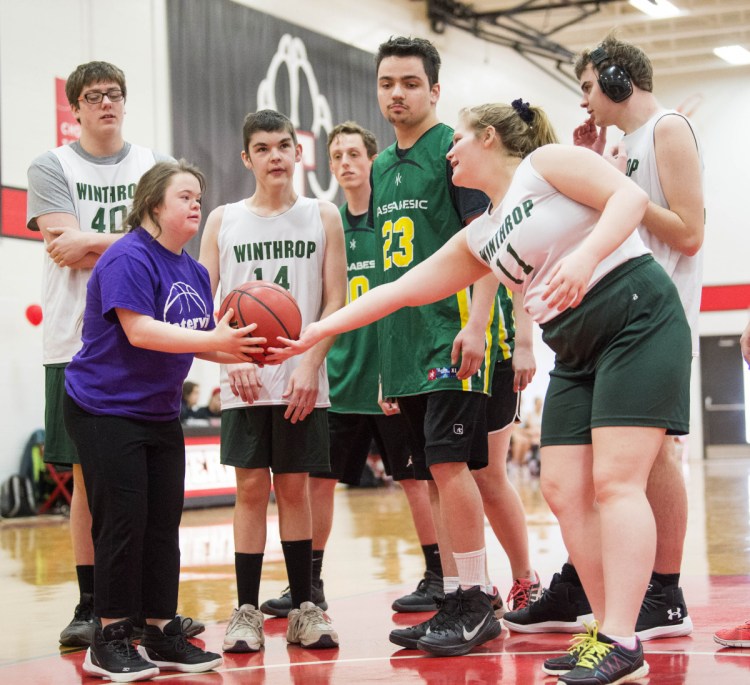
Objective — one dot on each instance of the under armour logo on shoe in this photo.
(458, 428)
(675, 615)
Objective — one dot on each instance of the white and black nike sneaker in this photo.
(409, 637)
(472, 623)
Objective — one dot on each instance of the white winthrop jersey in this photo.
(288, 249)
(686, 272)
(102, 195)
(534, 227)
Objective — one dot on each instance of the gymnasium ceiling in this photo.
(549, 31)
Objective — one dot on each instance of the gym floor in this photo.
(373, 557)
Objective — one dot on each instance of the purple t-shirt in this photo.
(109, 375)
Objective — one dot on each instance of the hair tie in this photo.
(523, 110)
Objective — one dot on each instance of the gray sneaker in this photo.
(309, 627)
(245, 630)
(423, 598)
(80, 631)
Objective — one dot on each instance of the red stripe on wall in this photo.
(13, 215)
(722, 298)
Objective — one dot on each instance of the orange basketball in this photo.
(270, 306)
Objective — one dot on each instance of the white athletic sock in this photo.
(471, 568)
(489, 588)
(627, 642)
(450, 584)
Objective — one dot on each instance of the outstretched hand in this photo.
(587, 135)
(309, 337)
(237, 341)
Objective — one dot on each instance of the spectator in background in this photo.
(190, 393)
(213, 409)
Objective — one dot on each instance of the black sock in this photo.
(317, 564)
(85, 579)
(432, 559)
(570, 575)
(247, 568)
(666, 579)
(298, 558)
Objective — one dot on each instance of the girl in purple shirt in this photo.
(149, 311)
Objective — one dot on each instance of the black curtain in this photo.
(223, 54)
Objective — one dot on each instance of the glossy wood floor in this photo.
(373, 558)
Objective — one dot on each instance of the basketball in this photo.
(270, 306)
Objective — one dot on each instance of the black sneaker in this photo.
(409, 637)
(111, 655)
(170, 649)
(423, 598)
(560, 665)
(281, 606)
(604, 662)
(471, 624)
(663, 613)
(562, 608)
(193, 628)
(80, 631)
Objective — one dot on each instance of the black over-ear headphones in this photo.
(613, 80)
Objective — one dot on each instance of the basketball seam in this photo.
(278, 289)
(267, 308)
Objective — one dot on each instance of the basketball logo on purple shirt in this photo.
(185, 307)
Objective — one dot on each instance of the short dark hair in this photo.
(353, 128)
(268, 120)
(92, 72)
(626, 55)
(402, 46)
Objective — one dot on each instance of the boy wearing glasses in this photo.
(79, 195)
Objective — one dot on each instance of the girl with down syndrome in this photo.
(561, 229)
(149, 311)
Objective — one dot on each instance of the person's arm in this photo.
(68, 245)
(469, 345)
(209, 250)
(585, 177)
(524, 363)
(146, 332)
(681, 224)
(452, 268)
(302, 390)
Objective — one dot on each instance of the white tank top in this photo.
(288, 249)
(534, 227)
(102, 195)
(686, 272)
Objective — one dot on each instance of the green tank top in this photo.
(352, 361)
(414, 215)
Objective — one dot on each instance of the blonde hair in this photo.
(521, 128)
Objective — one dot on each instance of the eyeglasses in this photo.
(94, 97)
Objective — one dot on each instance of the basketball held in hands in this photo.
(270, 306)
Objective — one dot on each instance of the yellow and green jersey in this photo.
(415, 210)
(353, 359)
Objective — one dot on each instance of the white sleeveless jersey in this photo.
(534, 227)
(686, 272)
(102, 196)
(288, 249)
